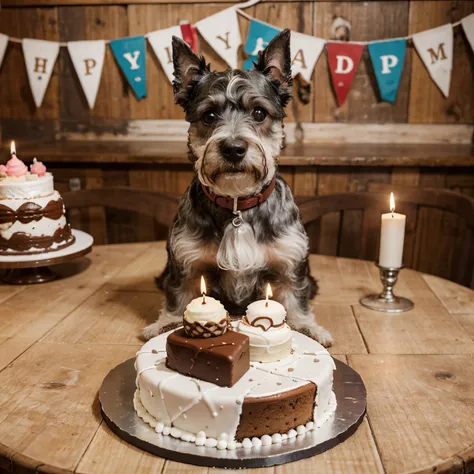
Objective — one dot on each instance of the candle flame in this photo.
(203, 286)
(269, 291)
(12, 148)
(392, 202)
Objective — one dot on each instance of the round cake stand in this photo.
(28, 269)
(116, 400)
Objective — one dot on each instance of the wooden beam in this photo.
(172, 153)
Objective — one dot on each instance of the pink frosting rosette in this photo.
(15, 167)
(37, 167)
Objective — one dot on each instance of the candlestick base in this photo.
(386, 301)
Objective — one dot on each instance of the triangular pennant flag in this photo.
(343, 61)
(305, 52)
(131, 57)
(160, 42)
(388, 58)
(435, 48)
(3, 46)
(222, 32)
(88, 60)
(468, 27)
(40, 57)
(189, 34)
(260, 34)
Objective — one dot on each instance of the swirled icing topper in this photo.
(15, 167)
(38, 167)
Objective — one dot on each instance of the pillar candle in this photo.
(392, 236)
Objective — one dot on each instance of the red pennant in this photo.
(190, 35)
(343, 61)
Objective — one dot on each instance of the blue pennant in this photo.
(260, 34)
(130, 54)
(388, 58)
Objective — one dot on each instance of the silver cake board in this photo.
(116, 400)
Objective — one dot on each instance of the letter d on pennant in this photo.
(343, 60)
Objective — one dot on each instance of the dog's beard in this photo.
(247, 177)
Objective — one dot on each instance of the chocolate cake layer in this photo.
(221, 360)
(276, 413)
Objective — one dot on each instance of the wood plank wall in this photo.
(65, 113)
(65, 109)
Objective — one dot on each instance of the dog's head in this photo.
(236, 129)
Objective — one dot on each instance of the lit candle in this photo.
(392, 236)
(12, 148)
(270, 338)
(205, 316)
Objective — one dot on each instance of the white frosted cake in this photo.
(32, 214)
(265, 403)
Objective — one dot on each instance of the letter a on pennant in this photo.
(435, 48)
(40, 57)
(131, 57)
(222, 32)
(305, 52)
(343, 61)
(88, 60)
(388, 58)
(160, 42)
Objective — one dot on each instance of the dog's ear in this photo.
(189, 68)
(275, 62)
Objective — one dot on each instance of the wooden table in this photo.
(58, 341)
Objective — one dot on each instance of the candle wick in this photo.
(266, 304)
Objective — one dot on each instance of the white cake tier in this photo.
(26, 187)
(32, 227)
(205, 413)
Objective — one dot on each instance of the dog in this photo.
(237, 223)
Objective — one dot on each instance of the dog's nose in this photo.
(235, 150)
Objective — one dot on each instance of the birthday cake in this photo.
(32, 214)
(255, 384)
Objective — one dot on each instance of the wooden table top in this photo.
(58, 341)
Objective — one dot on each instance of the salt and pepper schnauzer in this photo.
(235, 137)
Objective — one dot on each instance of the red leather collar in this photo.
(242, 203)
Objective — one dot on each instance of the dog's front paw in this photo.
(318, 333)
(165, 323)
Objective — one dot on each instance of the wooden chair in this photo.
(443, 245)
(162, 207)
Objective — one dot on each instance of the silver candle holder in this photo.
(386, 301)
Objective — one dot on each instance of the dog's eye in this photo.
(209, 117)
(259, 114)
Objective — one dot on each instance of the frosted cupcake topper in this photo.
(16, 169)
(267, 313)
(205, 316)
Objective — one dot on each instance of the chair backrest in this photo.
(162, 207)
(439, 234)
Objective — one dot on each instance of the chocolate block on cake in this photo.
(221, 360)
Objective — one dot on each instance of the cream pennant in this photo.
(88, 60)
(3, 47)
(468, 27)
(40, 57)
(222, 32)
(160, 42)
(435, 48)
(305, 52)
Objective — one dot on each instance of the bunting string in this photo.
(222, 32)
